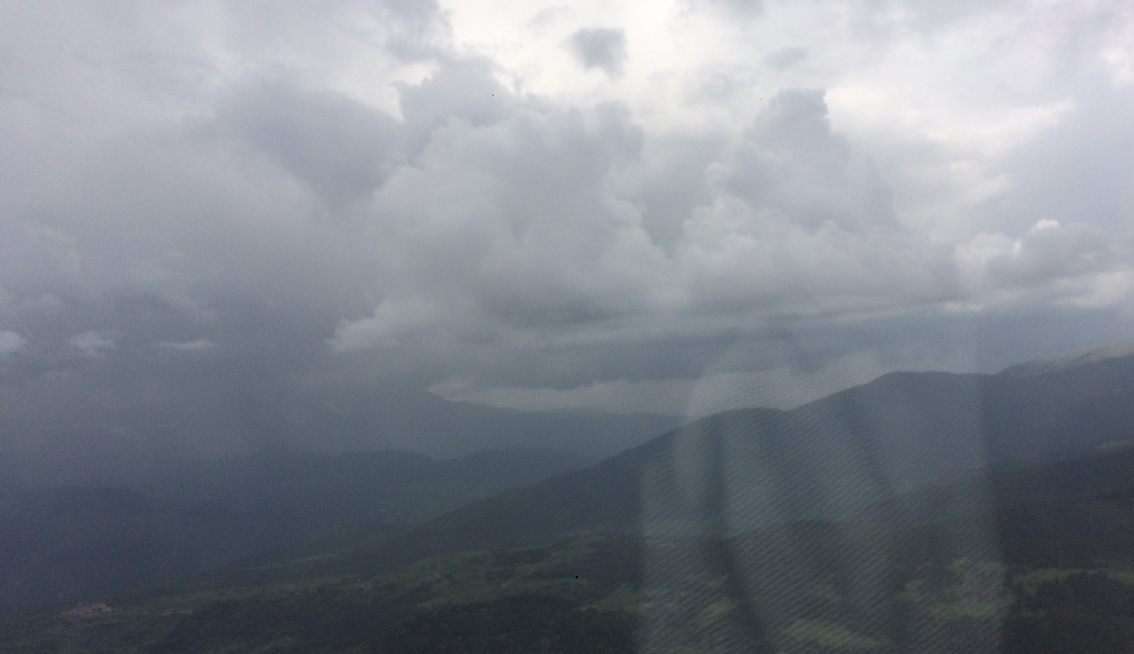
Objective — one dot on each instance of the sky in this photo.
(603, 207)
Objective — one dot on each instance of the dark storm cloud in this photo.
(342, 148)
(600, 47)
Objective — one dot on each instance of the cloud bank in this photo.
(752, 203)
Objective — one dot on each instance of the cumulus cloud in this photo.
(520, 224)
(1049, 251)
(342, 148)
(790, 164)
(510, 219)
(520, 229)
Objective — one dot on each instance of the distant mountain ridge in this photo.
(394, 486)
(72, 543)
(89, 447)
(876, 450)
(859, 450)
(1116, 351)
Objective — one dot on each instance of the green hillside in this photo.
(607, 594)
(76, 543)
(970, 511)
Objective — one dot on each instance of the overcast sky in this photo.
(608, 206)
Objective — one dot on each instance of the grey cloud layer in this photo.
(269, 218)
(527, 221)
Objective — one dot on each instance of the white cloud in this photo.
(10, 343)
(91, 344)
(391, 321)
(188, 346)
(1047, 253)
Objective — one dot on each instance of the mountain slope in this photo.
(1058, 584)
(73, 543)
(868, 450)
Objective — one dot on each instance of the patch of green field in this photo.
(1029, 582)
(561, 569)
(716, 610)
(1032, 580)
(623, 598)
(827, 634)
(959, 609)
(590, 580)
